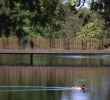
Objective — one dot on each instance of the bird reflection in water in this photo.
(77, 93)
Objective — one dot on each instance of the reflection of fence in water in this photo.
(36, 43)
(52, 76)
(96, 79)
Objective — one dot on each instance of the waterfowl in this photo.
(83, 88)
(76, 88)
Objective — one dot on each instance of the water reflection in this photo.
(55, 60)
(75, 95)
(32, 88)
(79, 95)
(54, 83)
(105, 57)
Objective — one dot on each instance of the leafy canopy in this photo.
(90, 30)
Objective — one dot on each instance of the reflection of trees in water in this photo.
(108, 92)
(51, 60)
(100, 86)
(97, 80)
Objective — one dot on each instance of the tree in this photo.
(21, 16)
(103, 7)
(70, 24)
(90, 30)
(43, 18)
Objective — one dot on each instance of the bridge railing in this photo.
(64, 44)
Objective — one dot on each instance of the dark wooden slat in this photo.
(31, 59)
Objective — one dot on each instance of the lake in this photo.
(54, 60)
(53, 76)
(54, 83)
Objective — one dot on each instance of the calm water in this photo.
(54, 83)
(53, 76)
(55, 60)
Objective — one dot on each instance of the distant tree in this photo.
(103, 7)
(70, 24)
(90, 30)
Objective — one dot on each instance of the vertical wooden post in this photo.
(31, 59)
(68, 45)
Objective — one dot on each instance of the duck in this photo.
(76, 88)
(83, 88)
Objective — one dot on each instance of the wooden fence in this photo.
(68, 44)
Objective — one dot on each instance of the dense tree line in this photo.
(24, 17)
(103, 8)
(52, 18)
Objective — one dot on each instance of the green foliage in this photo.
(103, 8)
(44, 18)
(25, 16)
(90, 30)
(71, 1)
